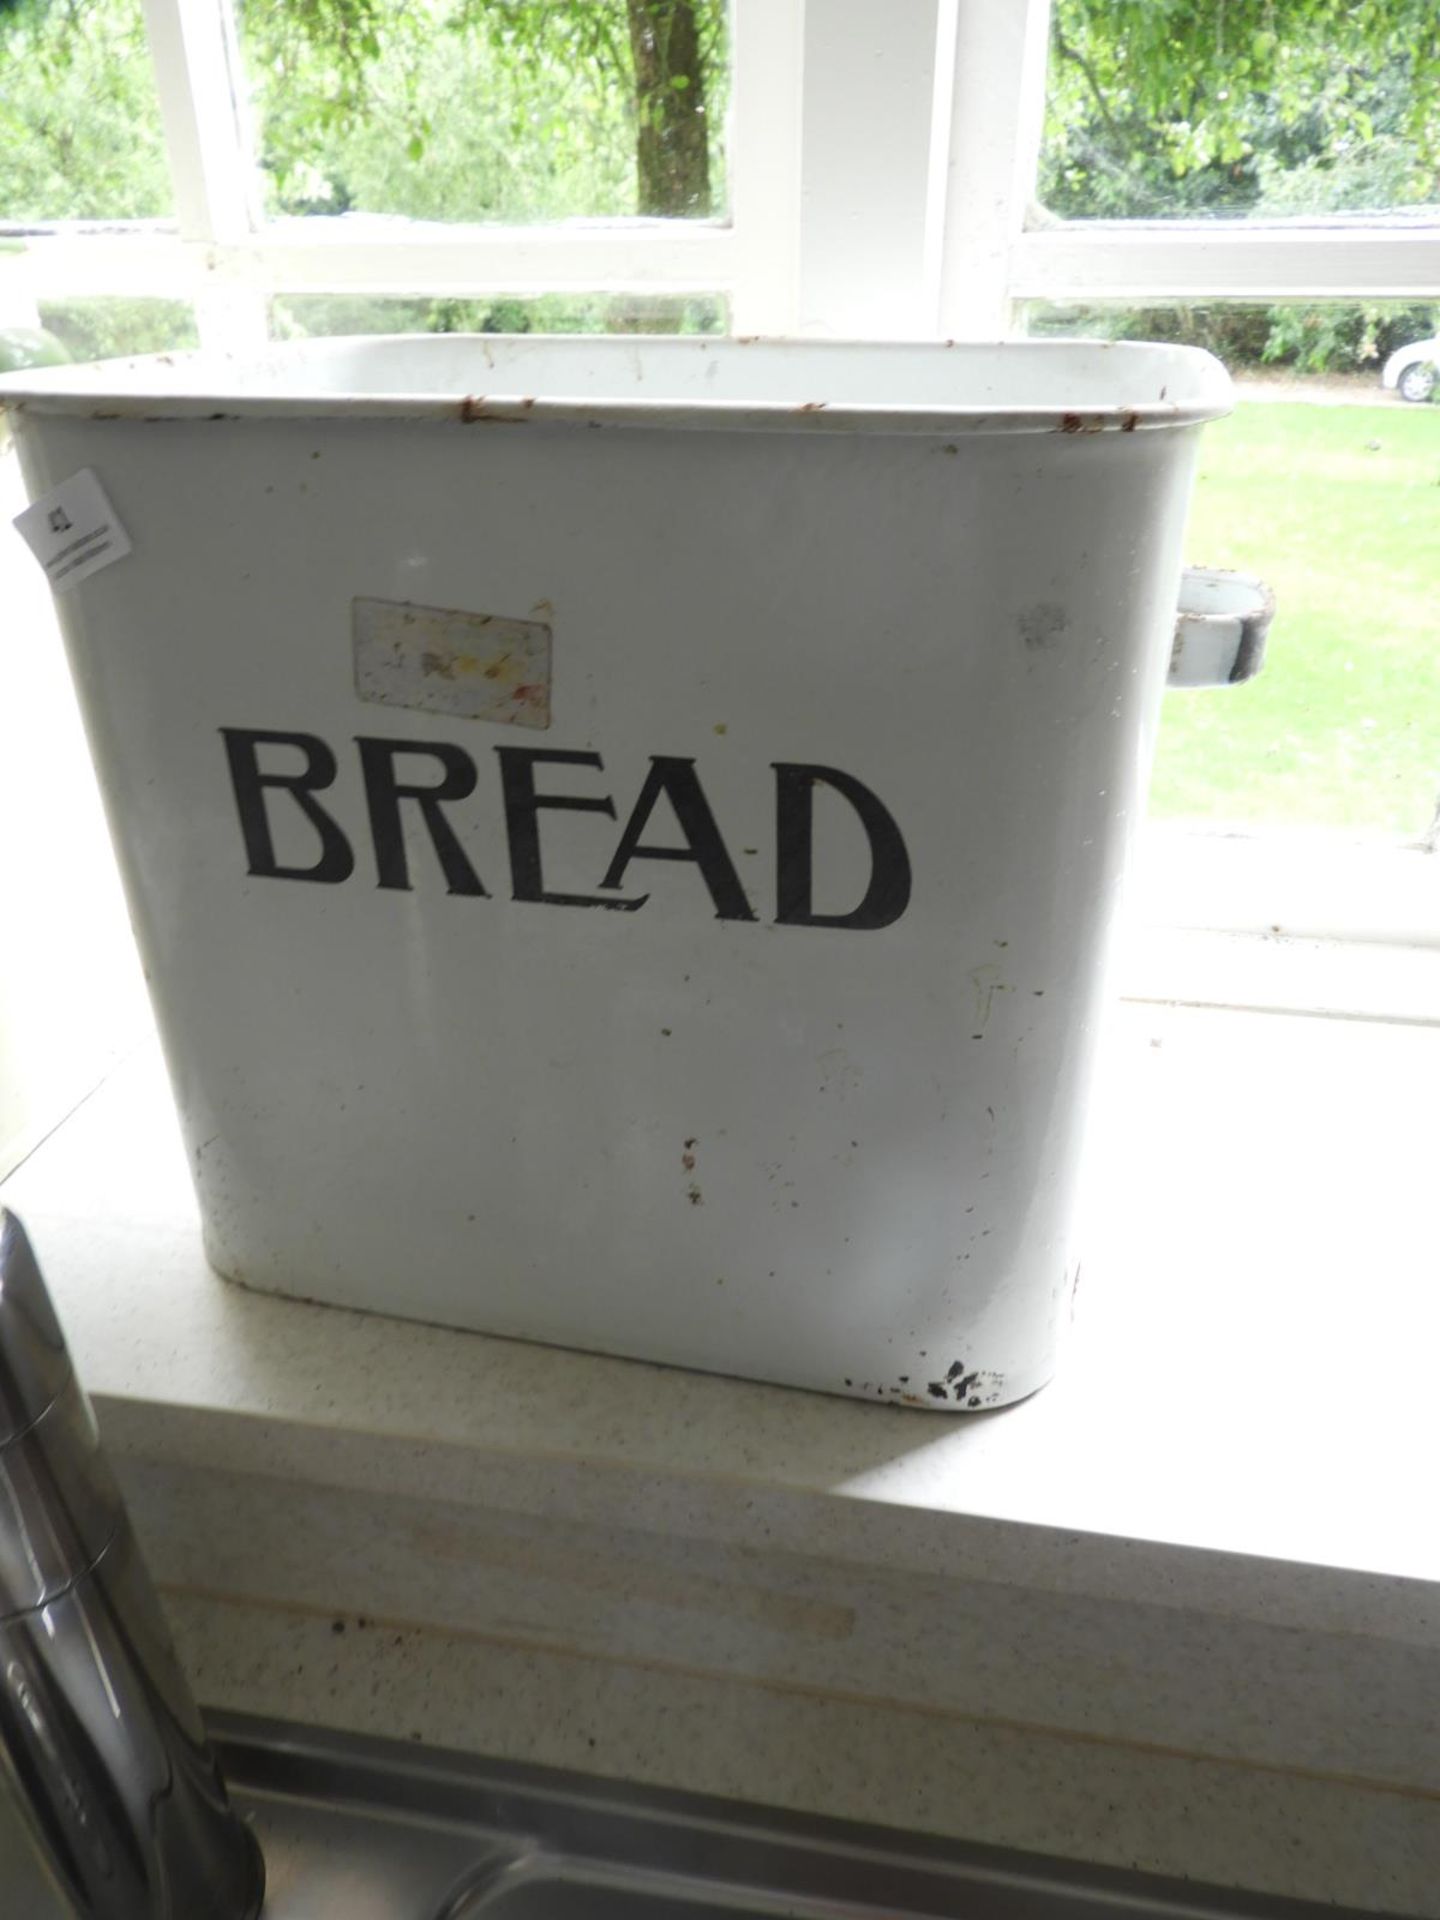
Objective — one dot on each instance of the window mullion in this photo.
(996, 113)
(767, 38)
(192, 50)
(190, 46)
(866, 167)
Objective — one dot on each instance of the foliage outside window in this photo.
(1312, 111)
(516, 110)
(79, 121)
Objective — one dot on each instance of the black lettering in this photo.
(677, 780)
(383, 794)
(522, 825)
(336, 862)
(888, 893)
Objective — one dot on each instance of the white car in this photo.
(1414, 371)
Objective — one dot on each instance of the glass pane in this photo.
(1262, 109)
(489, 110)
(302, 316)
(79, 119)
(110, 329)
(1327, 484)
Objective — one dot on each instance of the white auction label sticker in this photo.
(73, 531)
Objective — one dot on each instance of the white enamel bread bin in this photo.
(624, 835)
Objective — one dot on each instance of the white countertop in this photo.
(1181, 1609)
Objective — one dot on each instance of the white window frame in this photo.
(883, 161)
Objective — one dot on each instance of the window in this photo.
(80, 117)
(831, 166)
(1259, 172)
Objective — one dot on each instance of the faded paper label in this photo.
(73, 531)
(479, 666)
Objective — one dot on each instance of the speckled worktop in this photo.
(1182, 1609)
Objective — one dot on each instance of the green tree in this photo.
(1169, 107)
(485, 109)
(668, 51)
(80, 135)
(1272, 108)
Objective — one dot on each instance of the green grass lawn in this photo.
(1338, 507)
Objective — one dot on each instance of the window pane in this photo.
(1327, 485)
(111, 329)
(1266, 109)
(301, 316)
(489, 109)
(80, 134)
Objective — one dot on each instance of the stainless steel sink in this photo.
(357, 1829)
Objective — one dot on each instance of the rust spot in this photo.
(1071, 423)
(1129, 420)
(694, 1196)
(812, 406)
(687, 1161)
(475, 410)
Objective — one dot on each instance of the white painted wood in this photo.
(327, 256)
(17, 292)
(230, 318)
(196, 77)
(869, 85)
(942, 114)
(359, 256)
(765, 153)
(64, 266)
(1231, 260)
(997, 107)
